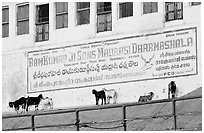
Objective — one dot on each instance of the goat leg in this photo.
(114, 99)
(108, 100)
(96, 101)
(101, 101)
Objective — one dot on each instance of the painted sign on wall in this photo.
(160, 55)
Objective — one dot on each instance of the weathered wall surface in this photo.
(15, 84)
(16, 52)
(14, 75)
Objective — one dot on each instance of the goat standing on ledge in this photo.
(34, 101)
(99, 95)
(17, 103)
(111, 94)
(172, 89)
(47, 102)
(146, 98)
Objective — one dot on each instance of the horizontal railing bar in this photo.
(14, 129)
(149, 117)
(56, 112)
(189, 113)
(44, 126)
(187, 98)
(15, 115)
(100, 122)
(38, 114)
(59, 125)
(189, 128)
(162, 116)
(101, 128)
(102, 107)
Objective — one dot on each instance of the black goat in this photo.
(171, 89)
(34, 101)
(99, 95)
(146, 98)
(17, 103)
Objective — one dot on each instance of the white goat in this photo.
(46, 102)
(110, 94)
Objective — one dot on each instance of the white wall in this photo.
(15, 48)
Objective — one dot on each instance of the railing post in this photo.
(77, 120)
(32, 123)
(124, 118)
(174, 113)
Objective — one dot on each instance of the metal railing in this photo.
(123, 121)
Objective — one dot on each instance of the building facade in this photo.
(65, 50)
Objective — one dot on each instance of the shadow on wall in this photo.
(14, 89)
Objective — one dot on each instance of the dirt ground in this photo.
(111, 119)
